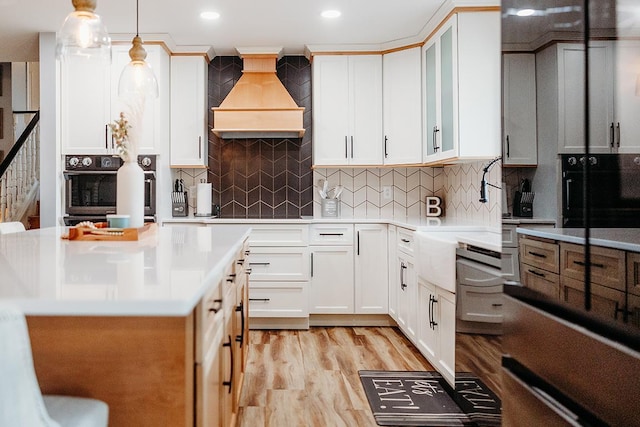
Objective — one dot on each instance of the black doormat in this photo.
(424, 398)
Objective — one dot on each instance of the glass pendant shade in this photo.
(137, 77)
(83, 33)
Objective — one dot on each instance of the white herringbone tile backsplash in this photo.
(457, 185)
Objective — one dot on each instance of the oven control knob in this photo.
(636, 160)
(146, 162)
(73, 162)
(86, 161)
(593, 160)
(572, 161)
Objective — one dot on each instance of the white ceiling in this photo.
(291, 24)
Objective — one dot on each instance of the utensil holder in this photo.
(330, 208)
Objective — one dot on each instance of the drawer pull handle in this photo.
(259, 263)
(248, 271)
(496, 305)
(593, 264)
(231, 278)
(332, 234)
(217, 307)
(406, 240)
(240, 262)
(536, 273)
(539, 255)
(230, 382)
(260, 299)
(247, 252)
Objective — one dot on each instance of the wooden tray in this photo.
(101, 232)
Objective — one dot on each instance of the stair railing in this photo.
(20, 172)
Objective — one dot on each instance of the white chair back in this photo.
(11, 227)
(21, 402)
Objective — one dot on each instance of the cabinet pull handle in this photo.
(538, 254)
(405, 240)
(593, 264)
(386, 154)
(240, 309)
(248, 271)
(536, 273)
(231, 278)
(217, 307)
(358, 243)
(230, 382)
(611, 136)
(259, 263)
(618, 132)
(331, 234)
(247, 252)
(432, 301)
(508, 148)
(311, 264)
(430, 313)
(346, 148)
(402, 268)
(240, 261)
(352, 146)
(260, 299)
(496, 305)
(199, 147)
(434, 138)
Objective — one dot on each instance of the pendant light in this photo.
(83, 33)
(137, 77)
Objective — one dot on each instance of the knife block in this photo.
(523, 204)
(179, 205)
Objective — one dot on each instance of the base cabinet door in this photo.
(332, 284)
(371, 269)
(427, 336)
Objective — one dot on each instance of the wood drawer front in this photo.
(284, 264)
(608, 266)
(633, 273)
(540, 254)
(540, 280)
(279, 235)
(405, 241)
(605, 301)
(290, 300)
(331, 234)
(209, 315)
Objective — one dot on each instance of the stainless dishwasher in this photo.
(479, 291)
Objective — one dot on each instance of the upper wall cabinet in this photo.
(347, 110)
(402, 111)
(462, 89)
(519, 102)
(189, 111)
(613, 104)
(89, 102)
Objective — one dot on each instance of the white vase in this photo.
(130, 193)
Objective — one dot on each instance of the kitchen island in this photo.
(127, 322)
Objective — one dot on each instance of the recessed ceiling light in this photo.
(525, 12)
(331, 13)
(209, 15)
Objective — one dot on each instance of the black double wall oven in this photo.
(90, 187)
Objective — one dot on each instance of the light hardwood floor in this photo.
(310, 378)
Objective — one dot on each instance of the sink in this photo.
(436, 258)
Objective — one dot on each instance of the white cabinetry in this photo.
(406, 284)
(89, 102)
(332, 269)
(613, 105)
(392, 261)
(519, 106)
(189, 111)
(436, 333)
(278, 291)
(371, 269)
(402, 107)
(347, 110)
(462, 88)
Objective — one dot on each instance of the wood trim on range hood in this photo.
(258, 106)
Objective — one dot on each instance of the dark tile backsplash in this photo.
(262, 178)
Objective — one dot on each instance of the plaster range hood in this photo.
(258, 106)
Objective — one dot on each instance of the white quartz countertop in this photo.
(163, 274)
(627, 239)
(412, 223)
